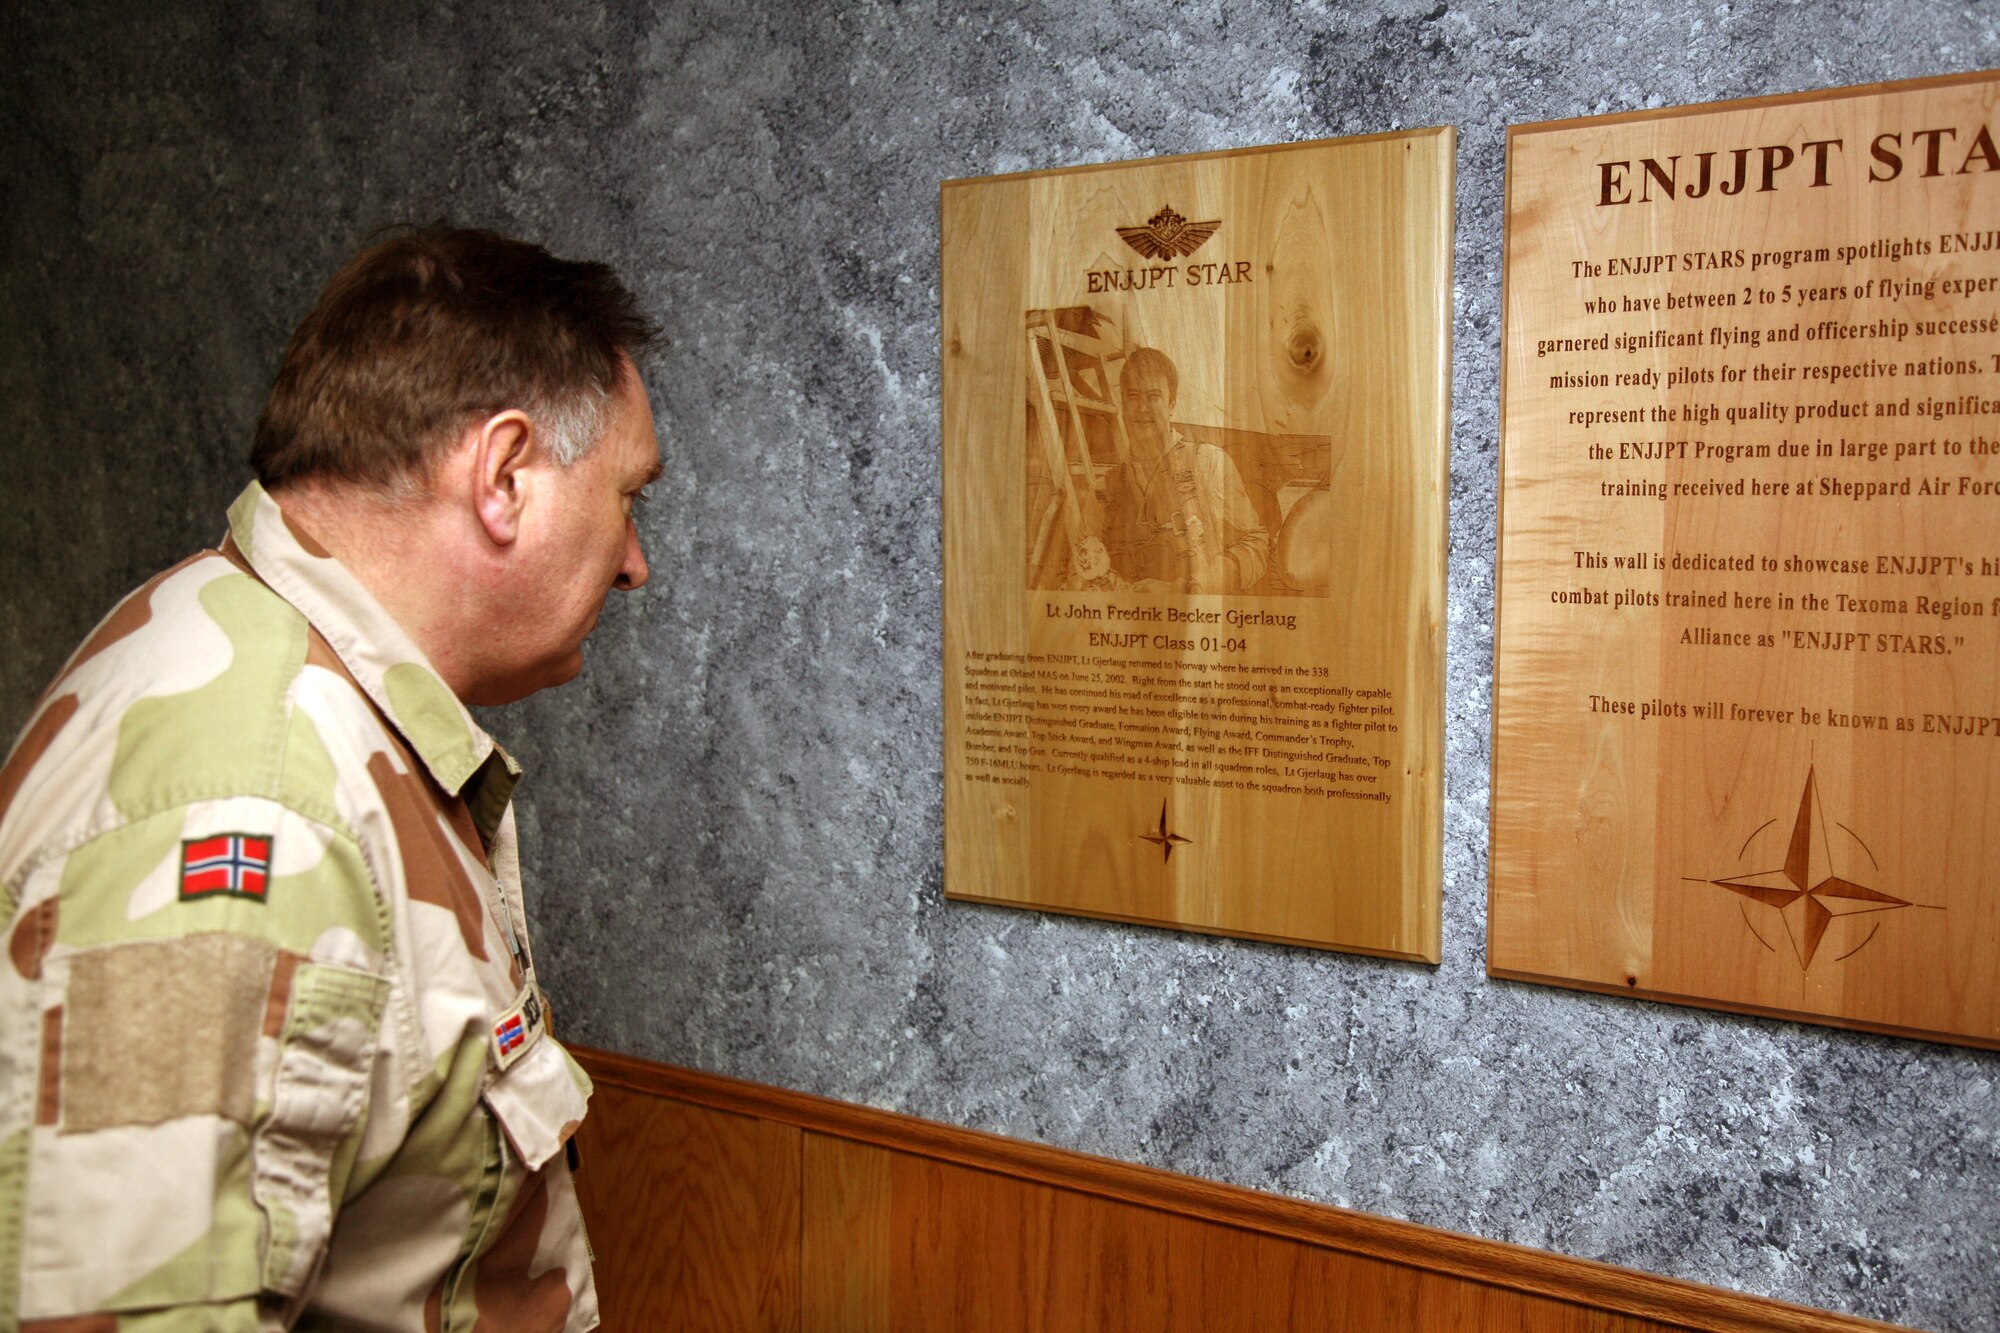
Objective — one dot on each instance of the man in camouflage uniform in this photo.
(272, 1054)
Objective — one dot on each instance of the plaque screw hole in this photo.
(1631, 980)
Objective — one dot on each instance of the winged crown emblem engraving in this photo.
(1168, 235)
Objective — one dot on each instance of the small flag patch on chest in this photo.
(517, 1028)
(236, 865)
(511, 1033)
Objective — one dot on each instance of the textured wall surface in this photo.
(733, 820)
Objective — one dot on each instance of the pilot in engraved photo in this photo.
(1125, 494)
(1176, 515)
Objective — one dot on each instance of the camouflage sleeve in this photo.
(244, 1316)
(211, 985)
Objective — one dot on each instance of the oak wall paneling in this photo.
(715, 1203)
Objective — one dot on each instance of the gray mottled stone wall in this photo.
(734, 818)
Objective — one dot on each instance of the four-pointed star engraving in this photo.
(1167, 841)
(1805, 891)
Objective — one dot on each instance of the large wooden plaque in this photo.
(1195, 421)
(1747, 716)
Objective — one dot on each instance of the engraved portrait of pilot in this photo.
(1125, 496)
(1176, 516)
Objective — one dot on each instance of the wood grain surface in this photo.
(693, 1214)
(1193, 647)
(901, 1223)
(846, 1249)
(1746, 718)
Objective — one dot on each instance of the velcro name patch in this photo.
(227, 865)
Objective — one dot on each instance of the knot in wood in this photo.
(1305, 348)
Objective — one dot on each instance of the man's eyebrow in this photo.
(653, 474)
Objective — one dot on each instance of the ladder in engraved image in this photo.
(1073, 400)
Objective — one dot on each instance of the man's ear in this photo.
(500, 449)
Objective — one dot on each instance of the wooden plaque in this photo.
(1746, 742)
(1195, 423)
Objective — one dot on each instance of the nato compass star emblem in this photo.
(1805, 892)
(1168, 235)
(1165, 840)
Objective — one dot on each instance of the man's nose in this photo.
(632, 572)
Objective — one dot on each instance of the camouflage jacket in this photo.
(271, 1050)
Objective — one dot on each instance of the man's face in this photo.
(582, 541)
(1148, 404)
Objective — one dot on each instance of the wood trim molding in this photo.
(1493, 1263)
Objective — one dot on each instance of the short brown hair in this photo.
(423, 333)
(1151, 363)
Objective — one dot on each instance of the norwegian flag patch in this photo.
(511, 1033)
(518, 1028)
(232, 865)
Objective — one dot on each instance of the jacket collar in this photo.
(387, 665)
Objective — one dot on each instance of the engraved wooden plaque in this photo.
(1195, 427)
(1746, 744)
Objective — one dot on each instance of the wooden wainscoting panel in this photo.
(1445, 1303)
(978, 1250)
(720, 1204)
(693, 1214)
(844, 1252)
